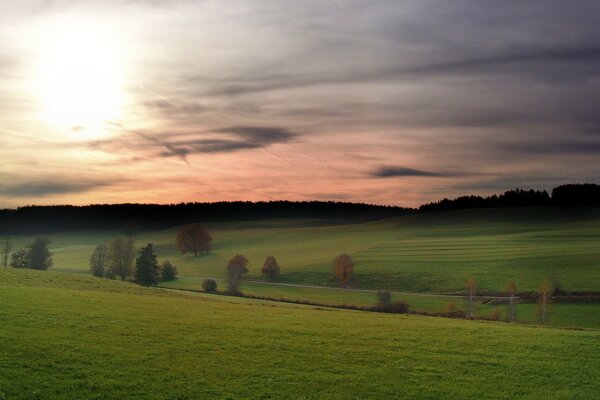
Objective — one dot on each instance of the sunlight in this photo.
(80, 78)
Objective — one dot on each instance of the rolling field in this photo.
(434, 253)
(71, 336)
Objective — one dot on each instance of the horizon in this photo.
(390, 104)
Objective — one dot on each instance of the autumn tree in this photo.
(99, 261)
(471, 286)
(544, 297)
(121, 255)
(236, 270)
(193, 239)
(271, 268)
(146, 266)
(511, 289)
(38, 255)
(6, 249)
(343, 267)
(168, 271)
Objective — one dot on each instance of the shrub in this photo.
(496, 314)
(398, 307)
(209, 285)
(168, 271)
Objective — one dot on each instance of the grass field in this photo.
(72, 336)
(434, 252)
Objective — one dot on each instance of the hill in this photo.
(67, 336)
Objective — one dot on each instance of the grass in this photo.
(434, 252)
(72, 336)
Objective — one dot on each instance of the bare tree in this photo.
(121, 255)
(6, 249)
(545, 296)
(511, 289)
(343, 267)
(472, 290)
(99, 261)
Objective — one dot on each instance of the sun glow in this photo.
(81, 75)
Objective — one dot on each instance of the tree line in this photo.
(130, 218)
(571, 195)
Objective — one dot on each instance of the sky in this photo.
(387, 102)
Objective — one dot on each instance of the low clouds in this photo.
(392, 171)
(42, 188)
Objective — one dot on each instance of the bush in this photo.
(209, 285)
(396, 307)
(496, 314)
(168, 271)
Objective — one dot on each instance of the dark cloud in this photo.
(181, 145)
(48, 187)
(390, 171)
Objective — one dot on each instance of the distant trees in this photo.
(236, 270)
(511, 289)
(193, 239)
(271, 268)
(146, 266)
(471, 286)
(343, 267)
(544, 297)
(38, 255)
(121, 255)
(168, 271)
(18, 259)
(209, 285)
(6, 249)
(99, 261)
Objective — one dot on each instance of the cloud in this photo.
(42, 188)
(391, 171)
(221, 140)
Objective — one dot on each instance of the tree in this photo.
(384, 298)
(193, 239)
(471, 286)
(271, 268)
(146, 266)
(343, 267)
(120, 254)
(545, 293)
(38, 256)
(236, 269)
(6, 249)
(99, 261)
(511, 289)
(18, 259)
(209, 285)
(168, 271)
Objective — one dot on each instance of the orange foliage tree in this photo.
(193, 239)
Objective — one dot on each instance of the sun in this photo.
(81, 75)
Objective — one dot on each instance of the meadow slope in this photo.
(71, 336)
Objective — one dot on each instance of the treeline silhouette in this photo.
(129, 218)
(571, 195)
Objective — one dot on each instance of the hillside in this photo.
(67, 336)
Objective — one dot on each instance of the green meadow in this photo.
(71, 336)
(422, 253)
